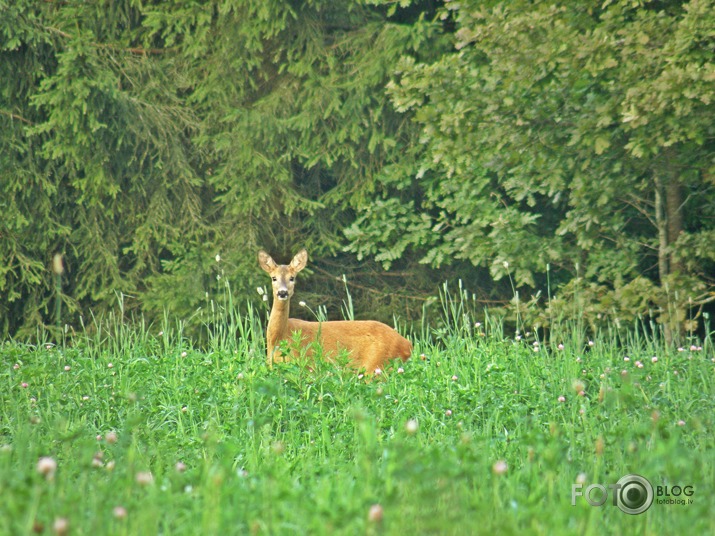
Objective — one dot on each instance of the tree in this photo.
(577, 137)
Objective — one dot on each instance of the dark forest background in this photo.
(559, 156)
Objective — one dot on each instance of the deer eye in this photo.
(292, 279)
(274, 278)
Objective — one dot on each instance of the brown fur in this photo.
(370, 344)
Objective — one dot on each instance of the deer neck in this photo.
(277, 323)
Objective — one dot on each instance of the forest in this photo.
(557, 159)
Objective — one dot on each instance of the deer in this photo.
(370, 344)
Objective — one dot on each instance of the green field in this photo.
(481, 432)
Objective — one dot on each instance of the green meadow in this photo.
(132, 429)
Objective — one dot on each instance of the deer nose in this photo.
(282, 294)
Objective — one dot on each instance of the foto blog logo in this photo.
(633, 494)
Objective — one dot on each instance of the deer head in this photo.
(283, 275)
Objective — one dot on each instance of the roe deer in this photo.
(370, 344)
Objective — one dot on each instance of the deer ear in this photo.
(299, 261)
(266, 262)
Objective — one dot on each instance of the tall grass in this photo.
(483, 431)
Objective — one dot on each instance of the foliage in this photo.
(524, 147)
(545, 134)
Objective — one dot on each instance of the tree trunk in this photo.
(669, 220)
(673, 217)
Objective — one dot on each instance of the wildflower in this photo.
(578, 386)
(423, 357)
(144, 478)
(180, 467)
(681, 422)
(590, 343)
(675, 373)
(119, 512)
(265, 297)
(560, 346)
(111, 437)
(16, 366)
(85, 398)
(448, 413)
(626, 359)
(109, 365)
(25, 385)
(581, 478)
(61, 526)
(454, 378)
(477, 324)
(411, 426)
(400, 370)
(600, 446)
(639, 364)
(218, 257)
(239, 376)
(67, 368)
(184, 409)
(375, 513)
(654, 359)
(260, 291)
(500, 467)
(47, 466)
(655, 416)
(99, 437)
(183, 354)
(302, 303)
(506, 264)
(378, 372)
(562, 398)
(110, 465)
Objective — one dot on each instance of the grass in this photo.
(153, 436)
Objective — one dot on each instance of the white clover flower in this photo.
(411, 426)
(47, 466)
(500, 467)
(302, 303)
(218, 257)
